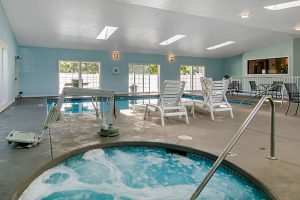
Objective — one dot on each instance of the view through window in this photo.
(79, 74)
(1, 76)
(143, 78)
(3, 71)
(191, 75)
(268, 66)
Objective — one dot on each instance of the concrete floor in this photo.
(282, 176)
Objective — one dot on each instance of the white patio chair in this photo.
(214, 95)
(169, 103)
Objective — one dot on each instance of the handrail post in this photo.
(235, 139)
(272, 144)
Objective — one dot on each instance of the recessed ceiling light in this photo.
(245, 14)
(106, 32)
(172, 39)
(220, 45)
(290, 4)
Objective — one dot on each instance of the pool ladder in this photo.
(235, 139)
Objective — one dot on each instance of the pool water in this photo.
(83, 105)
(138, 173)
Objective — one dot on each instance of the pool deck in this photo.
(281, 177)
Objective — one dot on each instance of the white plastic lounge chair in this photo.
(169, 103)
(214, 94)
(29, 138)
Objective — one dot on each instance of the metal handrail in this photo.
(235, 139)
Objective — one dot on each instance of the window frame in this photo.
(268, 74)
(191, 74)
(144, 64)
(245, 66)
(3, 77)
(79, 72)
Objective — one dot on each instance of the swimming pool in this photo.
(83, 105)
(138, 172)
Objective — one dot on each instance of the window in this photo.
(143, 78)
(3, 75)
(268, 66)
(79, 74)
(90, 73)
(191, 75)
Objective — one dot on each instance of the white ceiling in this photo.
(143, 24)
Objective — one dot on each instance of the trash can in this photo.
(75, 82)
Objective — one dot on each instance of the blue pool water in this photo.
(81, 105)
(138, 173)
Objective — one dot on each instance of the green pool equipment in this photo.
(106, 123)
(108, 130)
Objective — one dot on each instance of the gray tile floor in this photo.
(282, 176)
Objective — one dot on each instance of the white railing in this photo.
(244, 85)
(143, 82)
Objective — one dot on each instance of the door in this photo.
(79, 74)
(4, 86)
(143, 78)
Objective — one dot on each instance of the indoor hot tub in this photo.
(138, 171)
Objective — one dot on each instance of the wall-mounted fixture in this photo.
(115, 55)
(297, 27)
(171, 58)
(115, 70)
(245, 14)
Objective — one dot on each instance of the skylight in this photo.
(220, 45)
(106, 32)
(172, 39)
(290, 4)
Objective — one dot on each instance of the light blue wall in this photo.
(7, 37)
(237, 65)
(297, 57)
(233, 66)
(39, 68)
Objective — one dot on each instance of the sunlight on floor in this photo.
(127, 112)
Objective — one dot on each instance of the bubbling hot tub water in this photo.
(138, 173)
